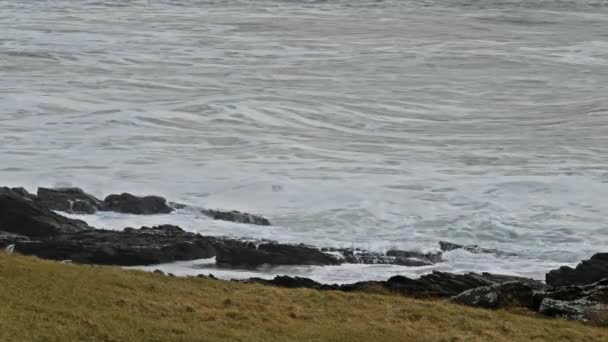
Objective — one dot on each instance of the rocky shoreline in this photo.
(30, 226)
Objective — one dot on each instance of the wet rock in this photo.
(505, 295)
(23, 193)
(587, 272)
(236, 216)
(21, 215)
(392, 257)
(580, 309)
(130, 247)
(69, 200)
(448, 246)
(130, 204)
(410, 258)
(236, 253)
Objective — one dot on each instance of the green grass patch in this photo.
(48, 301)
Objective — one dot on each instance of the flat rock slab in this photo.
(235, 253)
(130, 247)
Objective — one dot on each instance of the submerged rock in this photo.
(69, 200)
(392, 257)
(21, 215)
(130, 247)
(475, 249)
(587, 272)
(236, 216)
(236, 253)
(505, 295)
(131, 204)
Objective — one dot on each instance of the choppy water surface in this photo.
(376, 124)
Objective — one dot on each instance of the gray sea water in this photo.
(374, 124)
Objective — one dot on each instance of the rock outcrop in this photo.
(587, 272)
(131, 204)
(505, 295)
(76, 201)
(235, 253)
(435, 285)
(580, 310)
(130, 247)
(236, 216)
(475, 249)
(21, 215)
(69, 200)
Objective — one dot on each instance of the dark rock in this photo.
(392, 257)
(505, 295)
(409, 258)
(587, 272)
(145, 246)
(236, 216)
(236, 253)
(7, 238)
(23, 193)
(70, 200)
(443, 284)
(289, 282)
(565, 293)
(580, 309)
(448, 246)
(20, 215)
(209, 276)
(596, 292)
(292, 282)
(436, 285)
(159, 272)
(130, 204)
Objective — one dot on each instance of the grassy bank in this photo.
(47, 301)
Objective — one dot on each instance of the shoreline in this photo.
(29, 225)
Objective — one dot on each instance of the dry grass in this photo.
(47, 301)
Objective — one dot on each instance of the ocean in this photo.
(348, 123)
